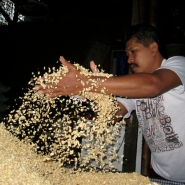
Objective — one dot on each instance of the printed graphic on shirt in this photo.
(156, 125)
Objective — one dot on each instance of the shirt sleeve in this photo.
(176, 64)
(129, 105)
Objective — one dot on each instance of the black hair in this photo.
(146, 34)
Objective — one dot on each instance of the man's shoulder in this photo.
(174, 61)
(176, 58)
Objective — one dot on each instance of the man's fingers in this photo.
(93, 67)
(62, 59)
(54, 95)
(37, 87)
(66, 63)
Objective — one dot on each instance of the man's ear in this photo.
(154, 47)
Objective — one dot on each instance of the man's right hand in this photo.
(68, 84)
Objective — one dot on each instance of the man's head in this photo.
(146, 34)
(145, 48)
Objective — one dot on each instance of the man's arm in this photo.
(141, 85)
(123, 111)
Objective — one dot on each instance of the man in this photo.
(155, 89)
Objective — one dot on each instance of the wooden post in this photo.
(130, 147)
(146, 157)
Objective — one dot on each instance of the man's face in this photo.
(140, 58)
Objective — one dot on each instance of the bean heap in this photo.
(58, 128)
(20, 165)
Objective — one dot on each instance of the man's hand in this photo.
(69, 84)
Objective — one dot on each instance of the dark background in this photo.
(72, 29)
(69, 29)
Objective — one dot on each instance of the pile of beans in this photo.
(58, 131)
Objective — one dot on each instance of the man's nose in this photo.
(130, 59)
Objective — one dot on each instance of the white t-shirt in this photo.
(162, 120)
